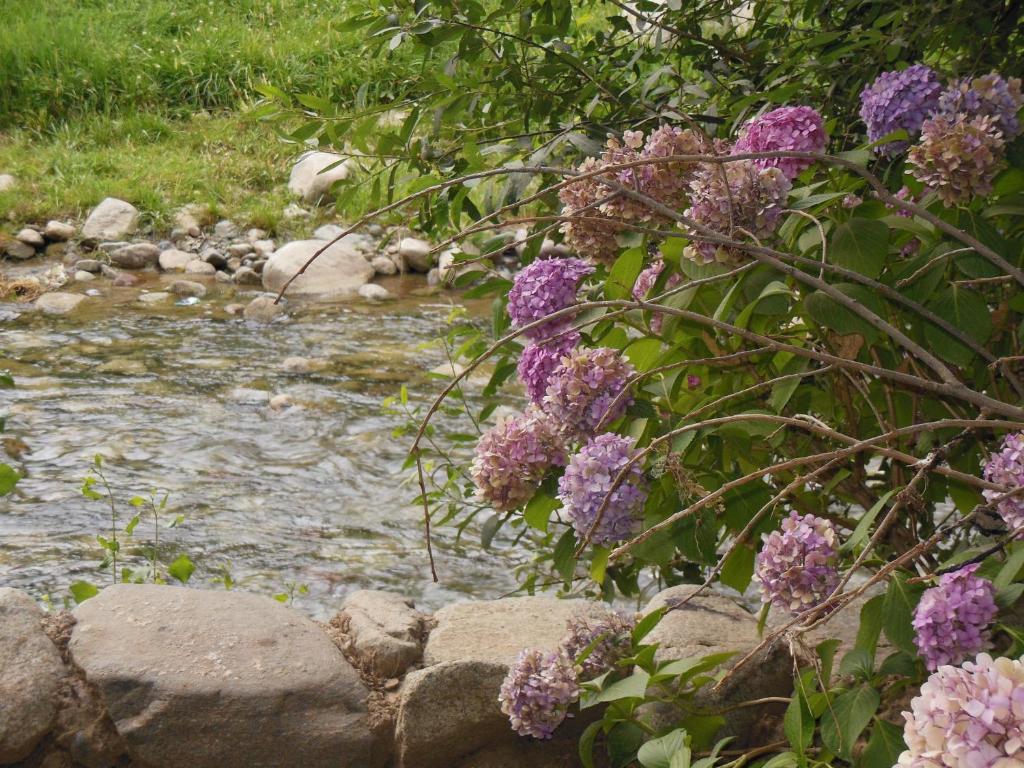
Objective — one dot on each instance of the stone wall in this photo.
(154, 676)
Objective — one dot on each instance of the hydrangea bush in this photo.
(777, 348)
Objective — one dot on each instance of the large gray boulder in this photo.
(338, 272)
(221, 680)
(381, 631)
(112, 219)
(30, 676)
(711, 623)
(311, 182)
(469, 652)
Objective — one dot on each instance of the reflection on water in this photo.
(309, 495)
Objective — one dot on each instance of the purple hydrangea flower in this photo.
(609, 638)
(583, 389)
(587, 481)
(951, 620)
(1006, 467)
(797, 567)
(989, 95)
(511, 458)
(899, 100)
(957, 158)
(645, 282)
(543, 287)
(668, 182)
(540, 359)
(968, 717)
(793, 129)
(537, 693)
(736, 200)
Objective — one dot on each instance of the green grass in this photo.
(146, 100)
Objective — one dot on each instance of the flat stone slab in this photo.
(221, 680)
(30, 675)
(497, 630)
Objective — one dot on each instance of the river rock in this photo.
(240, 249)
(15, 249)
(710, 624)
(224, 229)
(557, 753)
(112, 219)
(415, 254)
(155, 297)
(89, 265)
(123, 366)
(382, 265)
(59, 302)
(311, 182)
(337, 273)
(197, 267)
(262, 309)
(173, 260)
(31, 237)
(374, 292)
(280, 402)
(248, 276)
(7, 182)
(59, 231)
(381, 631)
(264, 247)
(221, 680)
(188, 288)
(82, 276)
(30, 675)
(293, 212)
(135, 256)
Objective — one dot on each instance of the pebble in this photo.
(223, 277)
(280, 402)
(240, 249)
(262, 309)
(112, 245)
(82, 276)
(173, 260)
(264, 247)
(247, 276)
(19, 250)
(225, 228)
(382, 265)
(216, 258)
(234, 309)
(249, 395)
(304, 364)
(255, 234)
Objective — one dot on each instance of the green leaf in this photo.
(1008, 573)
(646, 624)
(623, 274)
(659, 752)
(586, 744)
(864, 524)
(130, 528)
(564, 560)
(82, 591)
(898, 611)
(632, 687)
(860, 245)
(798, 724)
(827, 312)
(738, 568)
(599, 563)
(538, 511)
(8, 479)
(965, 310)
(884, 747)
(488, 530)
(182, 569)
(643, 353)
(850, 713)
(623, 742)
(870, 624)
(858, 662)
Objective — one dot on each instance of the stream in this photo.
(175, 398)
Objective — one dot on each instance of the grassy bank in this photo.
(147, 101)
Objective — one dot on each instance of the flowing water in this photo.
(174, 398)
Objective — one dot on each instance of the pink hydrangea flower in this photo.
(797, 567)
(511, 458)
(968, 717)
(1006, 467)
(951, 620)
(793, 129)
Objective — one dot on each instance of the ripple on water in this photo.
(313, 495)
